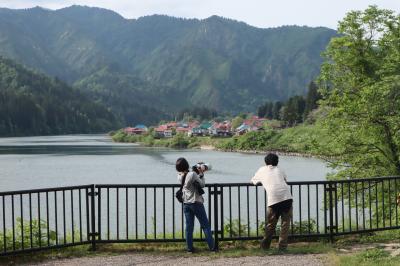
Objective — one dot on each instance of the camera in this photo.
(196, 168)
(201, 166)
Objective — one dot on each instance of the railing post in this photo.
(331, 226)
(98, 213)
(93, 216)
(216, 213)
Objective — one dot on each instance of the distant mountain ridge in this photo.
(34, 104)
(214, 62)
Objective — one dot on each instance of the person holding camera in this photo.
(280, 200)
(192, 184)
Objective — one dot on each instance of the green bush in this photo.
(254, 140)
(23, 232)
(148, 140)
(118, 136)
(309, 139)
(235, 228)
(179, 141)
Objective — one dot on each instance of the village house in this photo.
(162, 131)
(137, 130)
(201, 130)
(196, 131)
(183, 130)
(242, 129)
(253, 123)
(167, 130)
(222, 129)
(205, 128)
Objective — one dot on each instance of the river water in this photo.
(40, 162)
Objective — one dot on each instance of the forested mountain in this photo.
(130, 98)
(165, 63)
(33, 104)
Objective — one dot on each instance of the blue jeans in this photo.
(196, 209)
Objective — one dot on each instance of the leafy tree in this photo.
(276, 110)
(292, 114)
(261, 110)
(266, 110)
(201, 113)
(295, 109)
(360, 81)
(311, 99)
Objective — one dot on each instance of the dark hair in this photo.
(271, 159)
(182, 165)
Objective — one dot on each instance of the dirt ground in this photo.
(146, 259)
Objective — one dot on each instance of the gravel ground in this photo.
(140, 259)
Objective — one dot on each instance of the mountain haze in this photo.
(163, 64)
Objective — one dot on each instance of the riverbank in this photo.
(280, 153)
(304, 140)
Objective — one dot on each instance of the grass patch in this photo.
(34, 257)
(368, 238)
(368, 257)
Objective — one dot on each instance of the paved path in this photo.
(142, 259)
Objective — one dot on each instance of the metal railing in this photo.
(45, 218)
(58, 217)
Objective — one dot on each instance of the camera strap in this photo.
(183, 181)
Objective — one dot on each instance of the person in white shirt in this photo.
(280, 200)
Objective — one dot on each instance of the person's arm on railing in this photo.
(256, 179)
(284, 175)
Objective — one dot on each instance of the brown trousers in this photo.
(271, 226)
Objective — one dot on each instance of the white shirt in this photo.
(273, 180)
(190, 194)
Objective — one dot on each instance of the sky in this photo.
(259, 13)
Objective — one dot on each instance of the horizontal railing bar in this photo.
(169, 240)
(382, 178)
(148, 240)
(316, 182)
(13, 252)
(17, 192)
(137, 185)
(6, 193)
(275, 237)
(366, 230)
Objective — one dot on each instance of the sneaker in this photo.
(214, 249)
(190, 250)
